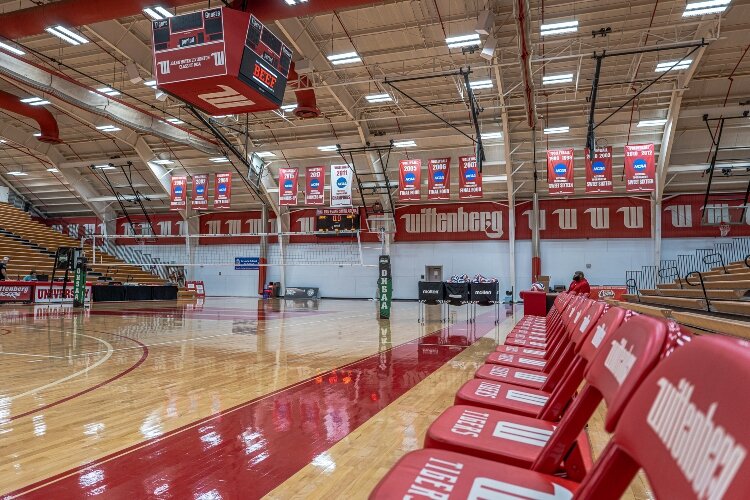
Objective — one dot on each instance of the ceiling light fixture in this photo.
(345, 58)
(35, 101)
(481, 84)
(555, 79)
(108, 91)
(163, 162)
(53, 170)
(157, 13)
(652, 123)
(673, 65)
(558, 28)
(491, 135)
(404, 144)
(219, 159)
(706, 7)
(374, 98)
(265, 154)
(66, 35)
(333, 147)
(17, 173)
(286, 108)
(462, 41)
(12, 49)
(37, 134)
(556, 130)
(105, 167)
(150, 83)
(175, 121)
(108, 128)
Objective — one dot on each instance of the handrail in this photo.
(720, 260)
(702, 284)
(674, 275)
(634, 286)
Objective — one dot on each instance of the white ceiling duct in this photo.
(86, 98)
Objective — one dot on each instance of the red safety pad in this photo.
(434, 473)
(490, 434)
(517, 360)
(515, 376)
(502, 396)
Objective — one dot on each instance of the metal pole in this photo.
(536, 258)
(656, 230)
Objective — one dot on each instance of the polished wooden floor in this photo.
(88, 397)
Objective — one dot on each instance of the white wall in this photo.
(609, 259)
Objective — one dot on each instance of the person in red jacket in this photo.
(579, 284)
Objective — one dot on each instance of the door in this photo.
(434, 273)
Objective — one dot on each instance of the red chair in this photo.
(684, 426)
(626, 356)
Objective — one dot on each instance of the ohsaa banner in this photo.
(341, 186)
(288, 186)
(409, 180)
(178, 192)
(470, 180)
(640, 168)
(599, 171)
(315, 178)
(439, 181)
(199, 199)
(560, 171)
(223, 190)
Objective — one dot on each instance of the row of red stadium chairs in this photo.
(674, 405)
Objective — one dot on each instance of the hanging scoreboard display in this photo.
(337, 220)
(221, 61)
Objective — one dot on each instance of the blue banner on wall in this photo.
(246, 263)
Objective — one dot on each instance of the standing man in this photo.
(579, 284)
(4, 269)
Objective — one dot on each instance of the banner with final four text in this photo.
(178, 198)
(409, 180)
(199, 199)
(469, 178)
(599, 171)
(439, 179)
(223, 190)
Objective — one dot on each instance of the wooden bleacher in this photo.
(31, 245)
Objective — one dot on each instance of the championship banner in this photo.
(560, 171)
(409, 180)
(640, 168)
(199, 199)
(469, 180)
(223, 190)
(599, 171)
(315, 185)
(288, 186)
(341, 186)
(178, 192)
(439, 179)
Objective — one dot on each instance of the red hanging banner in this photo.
(288, 186)
(560, 171)
(199, 199)
(469, 178)
(409, 180)
(315, 178)
(640, 168)
(223, 190)
(599, 171)
(439, 179)
(178, 192)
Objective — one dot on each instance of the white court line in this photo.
(103, 359)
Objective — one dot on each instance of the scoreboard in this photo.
(337, 221)
(221, 61)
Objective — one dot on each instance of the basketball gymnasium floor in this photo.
(237, 398)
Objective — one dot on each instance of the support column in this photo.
(263, 251)
(536, 257)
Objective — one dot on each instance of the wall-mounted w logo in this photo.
(164, 67)
(227, 98)
(219, 58)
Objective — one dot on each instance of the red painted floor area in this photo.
(247, 451)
